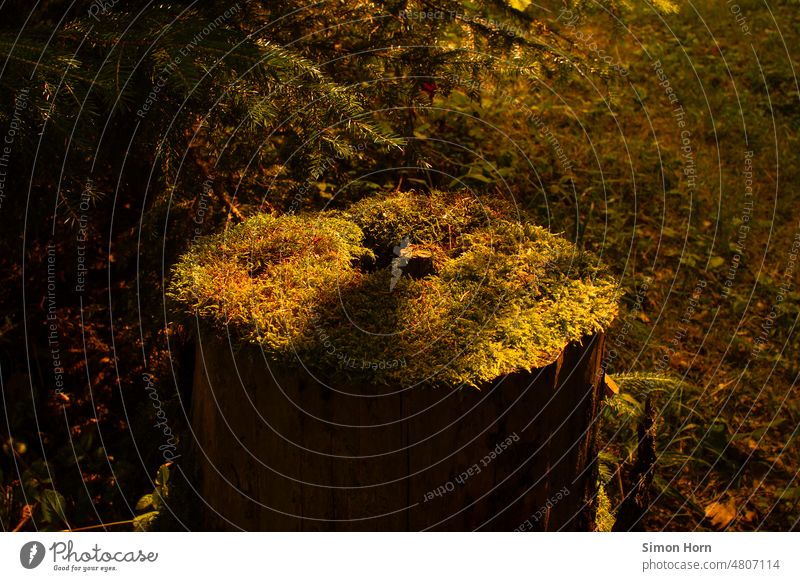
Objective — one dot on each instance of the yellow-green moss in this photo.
(504, 295)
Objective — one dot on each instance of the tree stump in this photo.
(416, 362)
(276, 450)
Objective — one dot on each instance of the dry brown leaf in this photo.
(721, 514)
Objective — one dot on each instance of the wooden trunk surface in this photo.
(276, 450)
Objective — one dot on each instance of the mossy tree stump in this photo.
(278, 451)
(335, 390)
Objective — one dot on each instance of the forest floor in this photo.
(697, 200)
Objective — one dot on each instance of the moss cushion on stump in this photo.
(493, 295)
(413, 361)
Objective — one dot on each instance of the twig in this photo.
(232, 207)
(101, 525)
(27, 512)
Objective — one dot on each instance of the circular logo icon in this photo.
(31, 554)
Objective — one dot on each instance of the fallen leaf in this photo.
(721, 514)
(612, 388)
(716, 261)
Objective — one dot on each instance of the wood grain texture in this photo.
(277, 449)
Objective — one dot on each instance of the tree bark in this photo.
(277, 450)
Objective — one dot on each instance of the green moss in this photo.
(499, 295)
(263, 277)
(438, 219)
